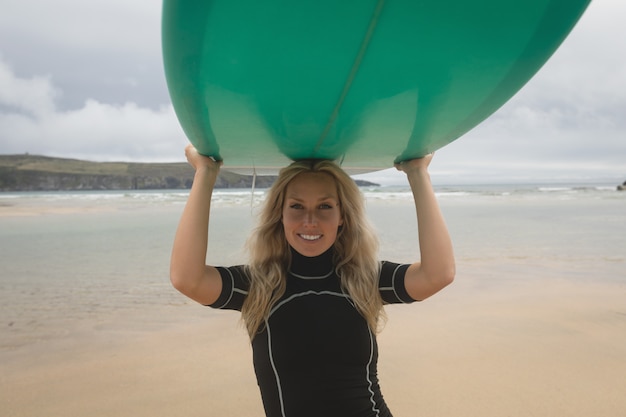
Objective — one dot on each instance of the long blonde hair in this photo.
(356, 249)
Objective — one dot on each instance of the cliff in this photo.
(42, 173)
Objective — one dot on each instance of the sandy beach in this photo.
(515, 352)
(537, 343)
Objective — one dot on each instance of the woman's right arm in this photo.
(188, 270)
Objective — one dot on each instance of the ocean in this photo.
(95, 264)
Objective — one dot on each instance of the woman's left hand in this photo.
(415, 164)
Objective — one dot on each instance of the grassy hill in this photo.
(41, 173)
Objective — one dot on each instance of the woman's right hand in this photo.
(199, 162)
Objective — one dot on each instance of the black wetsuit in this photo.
(316, 356)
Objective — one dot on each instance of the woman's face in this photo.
(311, 213)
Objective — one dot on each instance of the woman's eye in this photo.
(322, 206)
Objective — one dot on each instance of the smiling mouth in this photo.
(311, 238)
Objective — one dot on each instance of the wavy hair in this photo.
(355, 250)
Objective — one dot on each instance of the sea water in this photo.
(94, 262)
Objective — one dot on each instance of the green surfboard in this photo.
(363, 82)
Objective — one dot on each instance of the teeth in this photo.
(310, 237)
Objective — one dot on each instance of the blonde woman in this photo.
(313, 291)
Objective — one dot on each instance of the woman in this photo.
(312, 294)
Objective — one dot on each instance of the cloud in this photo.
(31, 122)
(523, 141)
(35, 95)
(106, 50)
(110, 25)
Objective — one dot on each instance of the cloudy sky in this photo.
(84, 79)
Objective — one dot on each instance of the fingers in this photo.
(197, 160)
(417, 163)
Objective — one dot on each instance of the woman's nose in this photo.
(310, 218)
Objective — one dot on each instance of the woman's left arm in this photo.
(436, 268)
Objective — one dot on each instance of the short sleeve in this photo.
(235, 285)
(391, 283)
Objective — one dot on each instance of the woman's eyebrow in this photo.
(296, 197)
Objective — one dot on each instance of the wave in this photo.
(239, 197)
